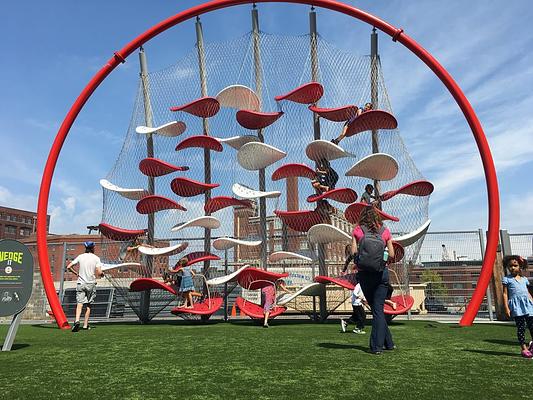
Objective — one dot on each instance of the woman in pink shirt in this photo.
(370, 239)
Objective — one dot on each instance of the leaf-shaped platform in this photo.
(353, 212)
(238, 96)
(306, 94)
(156, 167)
(325, 233)
(155, 203)
(203, 222)
(293, 170)
(254, 156)
(300, 221)
(238, 141)
(218, 203)
(171, 129)
(226, 243)
(338, 114)
(132, 194)
(416, 188)
(247, 193)
(377, 166)
(322, 149)
(250, 119)
(371, 120)
(186, 187)
(201, 141)
(204, 107)
(120, 234)
(342, 195)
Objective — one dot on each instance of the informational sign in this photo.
(16, 276)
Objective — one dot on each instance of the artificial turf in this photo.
(241, 360)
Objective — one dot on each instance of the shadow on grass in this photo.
(18, 346)
(45, 326)
(500, 341)
(342, 346)
(491, 353)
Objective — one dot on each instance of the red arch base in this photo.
(397, 35)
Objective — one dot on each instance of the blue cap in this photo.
(88, 244)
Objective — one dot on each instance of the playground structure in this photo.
(257, 120)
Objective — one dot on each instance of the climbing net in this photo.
(285, 63)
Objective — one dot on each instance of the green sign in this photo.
(16, 276)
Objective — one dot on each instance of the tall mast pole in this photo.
(322, 268)
(374, 63)
(148, 116)
(259, 91)
(207, 154)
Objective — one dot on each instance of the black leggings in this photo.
(358, 316)
(521, 323)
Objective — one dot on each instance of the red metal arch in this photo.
(396, 34)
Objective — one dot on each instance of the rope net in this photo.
(285, 64)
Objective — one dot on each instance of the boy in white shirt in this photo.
(358, 315)
(90, 267)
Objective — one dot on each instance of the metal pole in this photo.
(374, 63)
(259, 91)
(207, 153)
(489, 294)
(226, 286)
(322, 269)
(12, 332)
(62, 274)
(148, 116)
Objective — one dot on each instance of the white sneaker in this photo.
(359, 331)
(344, 324)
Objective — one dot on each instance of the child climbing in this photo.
(326, 177)
(367, 107)
(187, 284)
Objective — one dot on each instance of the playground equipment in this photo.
(114, 222)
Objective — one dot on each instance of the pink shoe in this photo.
(527, 354)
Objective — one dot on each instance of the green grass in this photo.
(240, 360)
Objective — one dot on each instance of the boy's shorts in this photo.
(85, 293)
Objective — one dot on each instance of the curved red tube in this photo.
(395, 33)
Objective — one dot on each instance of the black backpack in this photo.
(370, 252)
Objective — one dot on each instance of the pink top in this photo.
(358, 234)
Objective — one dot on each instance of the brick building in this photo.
(18, 224)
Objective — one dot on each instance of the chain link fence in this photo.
(442, 279)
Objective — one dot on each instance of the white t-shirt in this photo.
(88, 263)
(357, 296)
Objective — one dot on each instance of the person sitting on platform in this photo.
(326, 177)
(368, 107)
(367, 196)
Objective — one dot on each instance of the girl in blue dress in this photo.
(518, 301)
(187, 284)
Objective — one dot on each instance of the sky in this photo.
(52, 49)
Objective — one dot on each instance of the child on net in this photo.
(518, 301)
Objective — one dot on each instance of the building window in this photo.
(11, 229)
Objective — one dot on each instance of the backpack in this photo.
(371, 248)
